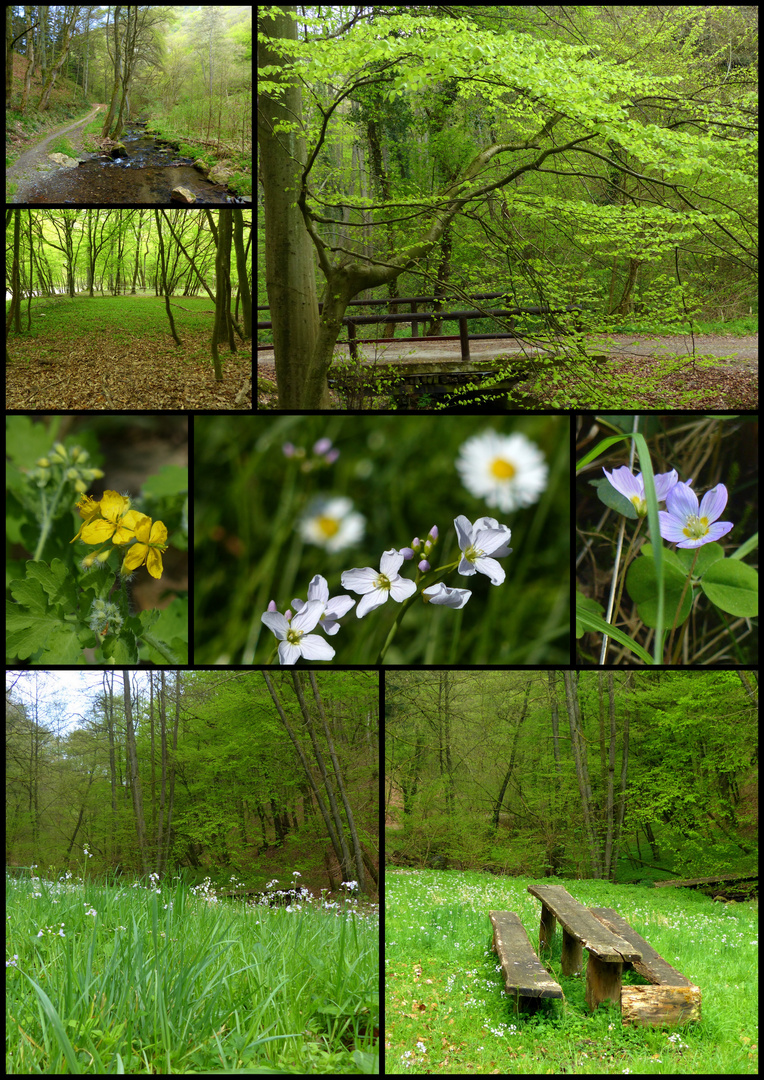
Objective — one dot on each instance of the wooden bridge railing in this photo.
(414, 316)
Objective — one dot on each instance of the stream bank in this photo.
(147, 172)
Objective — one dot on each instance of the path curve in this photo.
(34, 163)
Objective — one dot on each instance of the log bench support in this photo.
(526, 981)
(672, 999)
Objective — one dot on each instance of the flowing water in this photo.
(148, 174)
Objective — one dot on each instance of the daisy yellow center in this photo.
(501, 469)
(695, 528)
(382, 582)
(328, 526)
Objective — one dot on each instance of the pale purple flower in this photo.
(479, 541)
(442, 594)
(633, 487)
(688, 525)
(377, 585)
(296, 641)
(334, 607)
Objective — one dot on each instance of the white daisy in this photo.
(507, 471)
(332, 523)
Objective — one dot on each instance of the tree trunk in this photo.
(289, 262)
(165, 289)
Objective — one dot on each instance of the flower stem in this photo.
(432, 577)
(679, 608)
(160, 647)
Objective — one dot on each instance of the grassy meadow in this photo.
(447, 1012)
(131, 979)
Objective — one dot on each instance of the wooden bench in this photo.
(672, 999)
(580, 930)
(524, 977)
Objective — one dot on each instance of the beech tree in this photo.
(671, 140)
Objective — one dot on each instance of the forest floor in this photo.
(34, 163)
(116, 353)
(724, 373)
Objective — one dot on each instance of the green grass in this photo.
(61, 145)
(125, 979)
(139, 316)
(438, 956)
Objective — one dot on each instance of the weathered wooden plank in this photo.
(581, 924)
(651, 965)
(660, 1004)
(524, 977)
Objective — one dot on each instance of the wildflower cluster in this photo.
(112, 519)
(686, 522)
(480, 544)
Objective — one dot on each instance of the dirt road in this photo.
(407, 351)
(35, 163)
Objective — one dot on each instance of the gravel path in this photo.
(34, 164)
(744, 350)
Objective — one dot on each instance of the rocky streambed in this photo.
(139, 169)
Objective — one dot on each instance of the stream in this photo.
(148, 174)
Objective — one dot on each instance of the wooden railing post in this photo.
(352, 341)
(464, 338)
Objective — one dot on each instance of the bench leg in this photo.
(572, 954)
(546, 933)
(603, 982)
(525, 1005)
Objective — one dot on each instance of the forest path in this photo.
(34, 162)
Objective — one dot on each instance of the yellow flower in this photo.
(111, 519)
(151, 544)
(89, 510)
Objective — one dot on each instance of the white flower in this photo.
(505, 470)
(332, 523)
(294, 637)
(442, 594)
(378, 585)
(476, 542)
(334, 607)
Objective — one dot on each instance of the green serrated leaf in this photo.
(26, 631)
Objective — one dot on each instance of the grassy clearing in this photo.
(128, 979)
(438, 956)
(138, 316)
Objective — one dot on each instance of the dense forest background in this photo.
(122, 251)
(601, 156)
(186, 67)
(626, 777)
(216, 775)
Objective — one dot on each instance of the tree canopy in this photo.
(603, 156)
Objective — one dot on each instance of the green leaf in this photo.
(589, 621)
(586, 604)
(732, 586)
(170, 480)
(608, 495)
(642, 587)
